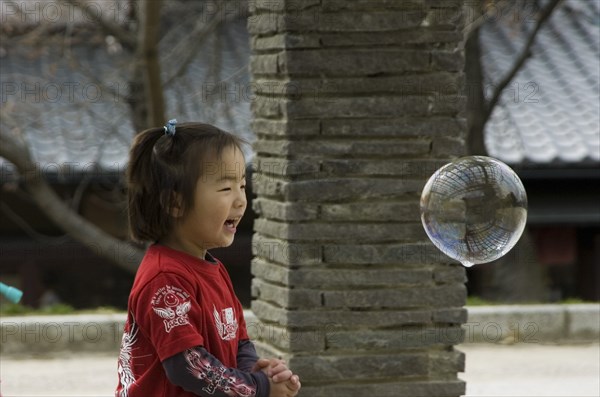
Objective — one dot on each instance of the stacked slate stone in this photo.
(355, 105)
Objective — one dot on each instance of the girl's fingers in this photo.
(282, 376)
(295, 387)
(261, 364)
(277, 368)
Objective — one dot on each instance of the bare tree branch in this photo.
(94, 79)
(126, 38)
(521, 59)
(126, 255)
(28, 229)
(194, 43)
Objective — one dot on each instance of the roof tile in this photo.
(550, 113)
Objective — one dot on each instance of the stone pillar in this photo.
(356, 104)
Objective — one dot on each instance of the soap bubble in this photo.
(474, 209)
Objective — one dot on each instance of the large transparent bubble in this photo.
(474, 209)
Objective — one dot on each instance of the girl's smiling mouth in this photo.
(231, 224)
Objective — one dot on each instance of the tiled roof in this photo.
(66, 118)
(550, 113)
(73, 123)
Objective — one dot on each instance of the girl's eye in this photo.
(225, 189)
(243, 187)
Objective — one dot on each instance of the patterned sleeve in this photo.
(169, 315)
(197, 371)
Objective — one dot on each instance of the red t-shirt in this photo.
(177, 302)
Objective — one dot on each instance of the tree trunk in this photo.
(518, 276)
(137, 99)
(475, 95)
(148, 57)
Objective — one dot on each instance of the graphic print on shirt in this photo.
(172, 304)
(215, 376)
(126, 377)
(226, 323)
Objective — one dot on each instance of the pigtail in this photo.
(142, 197)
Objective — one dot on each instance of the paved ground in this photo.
(532, 370)
(492, 370)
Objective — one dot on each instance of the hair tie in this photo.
(170, 127)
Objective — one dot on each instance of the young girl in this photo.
(185, 333)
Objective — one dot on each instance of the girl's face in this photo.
(219, 204)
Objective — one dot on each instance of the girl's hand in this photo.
(277, 370)
(284, 389)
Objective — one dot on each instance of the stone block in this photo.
(331, 232)
(438, 83)
(446, 362)
(269, 187)
(274, 89)
(449, 105)
(395, 126)
(373, 21)
(285, 41)
(408, 254)
(269, 271)
(286, 339)
(446, 146)
(264, 64)
(280, 128)
(334, 320)
(451, 315)
(344, 319)
(391, 388)
(288, 253)
(450, 274)
(396, 297)
(365, 107)
(288, 298)
(350, 189)
(369, 5)
(262, 24)
(354, 62)
(447, 18)
(266, 107)
(343, 367)
(399, 167)
(271, 147)
(381, 341)
(283, 211)
(269, 313)
(399, 211)
(330, 278)
(393, 148)
(452, 61)
(402, 39)
(278, 167)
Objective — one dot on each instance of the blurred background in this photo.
(78, 79)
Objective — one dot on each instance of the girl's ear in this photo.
(175, 208)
